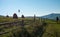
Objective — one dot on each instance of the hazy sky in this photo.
(29, 7)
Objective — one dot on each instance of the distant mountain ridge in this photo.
(52, 16)
(1, 16)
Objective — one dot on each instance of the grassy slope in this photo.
(5, 19)
(52, 30)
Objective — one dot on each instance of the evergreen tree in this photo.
(22, 16)
(57, 19)
(7, 16)
(15, 16)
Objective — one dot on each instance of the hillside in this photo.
(51, 16)
(1, 16)
(31, 28)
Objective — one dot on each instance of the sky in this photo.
(29, 7)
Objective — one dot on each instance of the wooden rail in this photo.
(8, 24)
(4, 23)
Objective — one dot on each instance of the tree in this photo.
(7, 16)
(22, 16)
(15, 16)
(57, 19)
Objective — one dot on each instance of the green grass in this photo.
(52, 28)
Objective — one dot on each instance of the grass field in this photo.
(31, 28)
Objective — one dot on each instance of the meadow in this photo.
(31, 28)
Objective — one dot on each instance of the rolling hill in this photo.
(52, 16)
